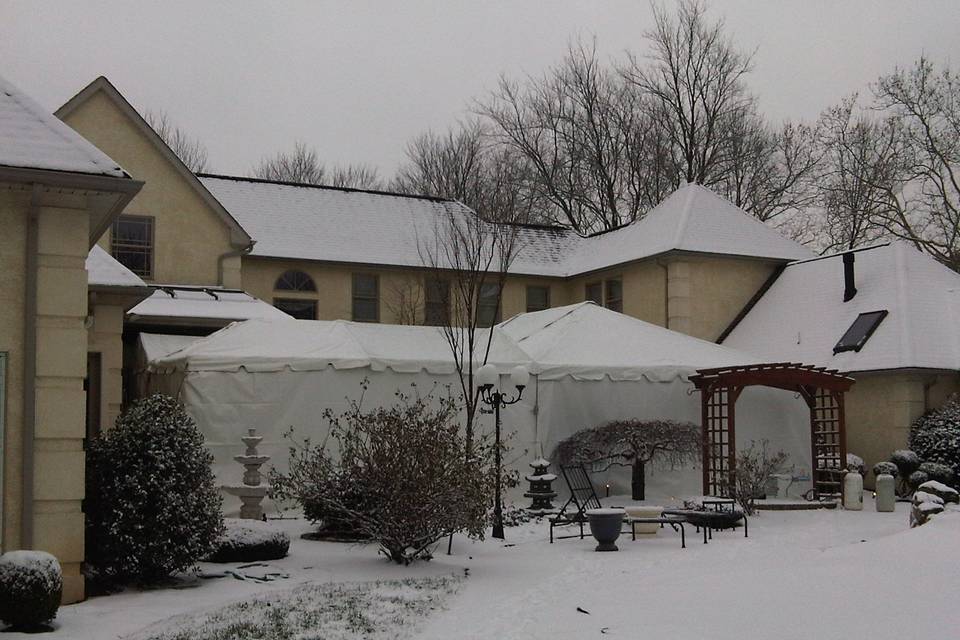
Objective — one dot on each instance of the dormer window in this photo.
(860, 331)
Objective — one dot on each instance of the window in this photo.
(436, 308)
(366, 298)
(538, 298)
(295, 281)
(131, 241)
(594, 292)
(613, 298)
(299, 309)
(488, 305)
(860, 331)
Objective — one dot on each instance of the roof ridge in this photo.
(906, 338)
(684, 214)
(287, 183)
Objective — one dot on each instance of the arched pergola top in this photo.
(821, 388)
(791, 376)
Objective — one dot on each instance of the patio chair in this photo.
(582, 498)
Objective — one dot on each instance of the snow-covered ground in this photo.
(826, 574)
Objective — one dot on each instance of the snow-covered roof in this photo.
(307, 345)
(369, 227)
(104, 270)
(587, 341)
(803, 316)
(33, 138)
(584, 341)
(202, 305)
(692, 218)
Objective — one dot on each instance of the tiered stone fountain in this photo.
(253, 489)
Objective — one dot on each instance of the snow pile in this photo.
(30, 587)
(249, 541)
(924, 505)
(945, 493)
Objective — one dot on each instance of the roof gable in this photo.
(802, 316)
(238, 235)
(33, 138)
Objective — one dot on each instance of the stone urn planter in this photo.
(645, 511)
(605, 526)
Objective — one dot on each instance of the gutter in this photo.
(29, 370)
(232, 254)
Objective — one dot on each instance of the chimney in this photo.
(849, 281)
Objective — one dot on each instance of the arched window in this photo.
(295, 281)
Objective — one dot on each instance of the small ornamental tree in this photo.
(152, 506)
(398, 475)
(936, 438)
(633, 442)
(754, 465)
(907, 463)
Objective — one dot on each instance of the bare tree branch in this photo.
(191, 151)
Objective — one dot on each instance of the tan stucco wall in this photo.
(880, 408)
(105, 337)
(14, 206)
(401, 290)
(719, 290)
(189, 236)
(644, 284)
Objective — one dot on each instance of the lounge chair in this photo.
(582, 498)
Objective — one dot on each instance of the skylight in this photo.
(860, 331)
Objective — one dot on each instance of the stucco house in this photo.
(886, 315)
(58, 194)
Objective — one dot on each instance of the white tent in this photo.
(588, 365)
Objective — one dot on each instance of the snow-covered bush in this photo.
(945, 493)
(399, 475)
(250, 541)
(31, 585)
(936, 437)
(916, 479)
(907, 463)
(939, 472)
(153, 506)
(754, 466)
(885, 467)
(856, 463)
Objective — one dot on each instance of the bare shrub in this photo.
(755, 465)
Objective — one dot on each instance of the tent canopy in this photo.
(584, 341)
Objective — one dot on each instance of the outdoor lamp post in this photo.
(488, 382)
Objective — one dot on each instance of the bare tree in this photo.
(633, 442)
(694, 79)
(927, 104)
(860, 176)
(406, 301)
(303, 165)
(190, 150)
(592, 149)
(468, 252)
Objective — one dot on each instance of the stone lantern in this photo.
(541, 489)
(253, 489)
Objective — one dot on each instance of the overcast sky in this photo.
(356, 80)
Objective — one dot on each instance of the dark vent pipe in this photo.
(849, 281)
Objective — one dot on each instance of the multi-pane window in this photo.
(538, 298)
(294, 280)
(488, 304)
(613, 296)
(436, 306)
(366, 298)
(299, 309)
(594, 292)
(131, 241)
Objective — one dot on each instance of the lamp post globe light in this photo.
(488, 383)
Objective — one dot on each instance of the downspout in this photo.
(231, 254)
(29, 370)
(666, 292)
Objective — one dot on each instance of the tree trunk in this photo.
(639, 484)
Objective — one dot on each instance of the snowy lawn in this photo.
(827, 574)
